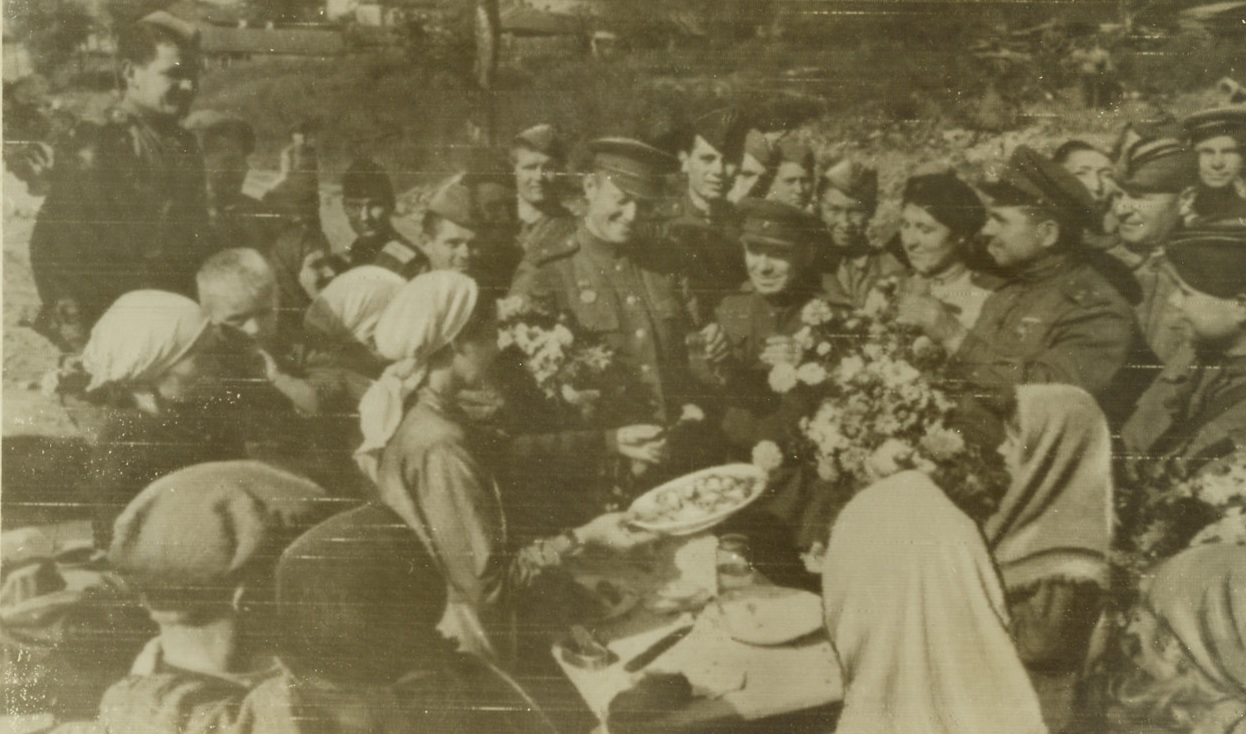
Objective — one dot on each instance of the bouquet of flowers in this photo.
(884, 405)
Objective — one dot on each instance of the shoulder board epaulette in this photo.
(554, 250)
(1084, 287)
(400, 251)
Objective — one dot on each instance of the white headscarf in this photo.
(351, 305)
(917, 616)
(1055, 522)
(424, 317)
(140, 336)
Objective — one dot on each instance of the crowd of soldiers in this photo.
(1122, 273)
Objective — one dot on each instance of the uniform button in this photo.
(646, 369)
(640, 333)
(618, 267)
(631, 300)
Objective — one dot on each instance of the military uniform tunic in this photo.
(623, 296)
(389, 250)
(1061, 322)
(1161, 326)
(1193, 412)
(850, 281)
(708, 243)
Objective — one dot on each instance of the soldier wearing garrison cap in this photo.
(622, 289)
(455, 228)
(538, 157)
(130, 212)
(1153, 173)
(1219, 138)
(1196, 409)
(1056, 319)
(369, 201)
(847, 197)
(756, 168)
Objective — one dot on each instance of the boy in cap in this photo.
(368, 198)
(538, 157)
(756, 168)
(1196, 410)
(1147, 207)
(621, 289)
(1218, 137)
(1056, 318)
(847, 199)
(136, 216)
(199, 547)
(793, 178)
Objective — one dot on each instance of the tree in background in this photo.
(52, 30)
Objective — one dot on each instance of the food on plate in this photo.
(771, 615)
(699, 498)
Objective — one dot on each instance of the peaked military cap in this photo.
(1216, 122)
(1210, 259)
(1157, 165)
(366, 179)
(775, 223)
(724, 129)
(185, 32)
(853, 179)
(543, 138)
(1029, 179)
(638, 169)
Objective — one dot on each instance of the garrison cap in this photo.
(791, 149)
(775, 223)
(1210, 259)
(724, 129)
(1156, 166)
(756, 145)
(543, 138)
(1216, 122)
(366, 179)
(853, 179)
(455, 201)
(195, 534)
(638, 169)
(1029, 179)
(185, 32)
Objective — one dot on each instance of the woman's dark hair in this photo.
(949, 200)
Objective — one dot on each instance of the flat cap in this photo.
(756, 145)
(1030, 179)
(195, 534)
(1210, 259)
(854, 180)
(1216, 122)
(775, 223)
(725, 129)
(791, 149)
(1156, 166)
(543, 138)
(367, 179)
(185, 32)
(638, 169)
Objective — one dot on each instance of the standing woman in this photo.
(436, 472)
(149, 359)
(940, 218)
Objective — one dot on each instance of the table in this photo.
(759, 682)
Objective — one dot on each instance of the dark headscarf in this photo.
(949, 200)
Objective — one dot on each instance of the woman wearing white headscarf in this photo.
(916, 613)
(149, 360)
(432, 469)
(1051, 537)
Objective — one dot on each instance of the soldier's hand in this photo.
(716, 347)
(781, 350)
(643, 443)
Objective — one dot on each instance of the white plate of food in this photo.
(769, 615)
(698, 501)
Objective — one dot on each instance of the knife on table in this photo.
(655, 650)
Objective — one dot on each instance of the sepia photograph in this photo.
(623, 367)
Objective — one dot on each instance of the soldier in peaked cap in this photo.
(132, 214)
(1219, 138)
(368, 198)
(1153, 174)
(624, 290)
(1196, 409)
(538, 157)
(1056, 319)
(847, 198)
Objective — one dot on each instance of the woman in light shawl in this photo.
(916, 613)
(1187, 642)
(150, 360)
(434, 471)
(1051, 537)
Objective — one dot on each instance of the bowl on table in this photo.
(698, 501)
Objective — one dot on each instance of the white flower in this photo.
(942, 443)
(563, 335)
(782, 377)
(889, 458)
(872, 351)
(824, 348)
(875, 303)
(509, 308)
(691, 414)
(924, 346)
(506, 338)
(850, 367)
(804, 338)
(816, 312)
(767, 456)
(811, 373)
(827, 471)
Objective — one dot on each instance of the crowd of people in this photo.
(301, 442)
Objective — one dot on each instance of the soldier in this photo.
(1218, 137)
(451, 230)
(135, 216)
(1148, 209)
(617, 287)
(793, 179)
(1196, 410)
(756, 168)
(1056, 319)
(368, 198)
(539, 157)
(238, 220)
(847, 200)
